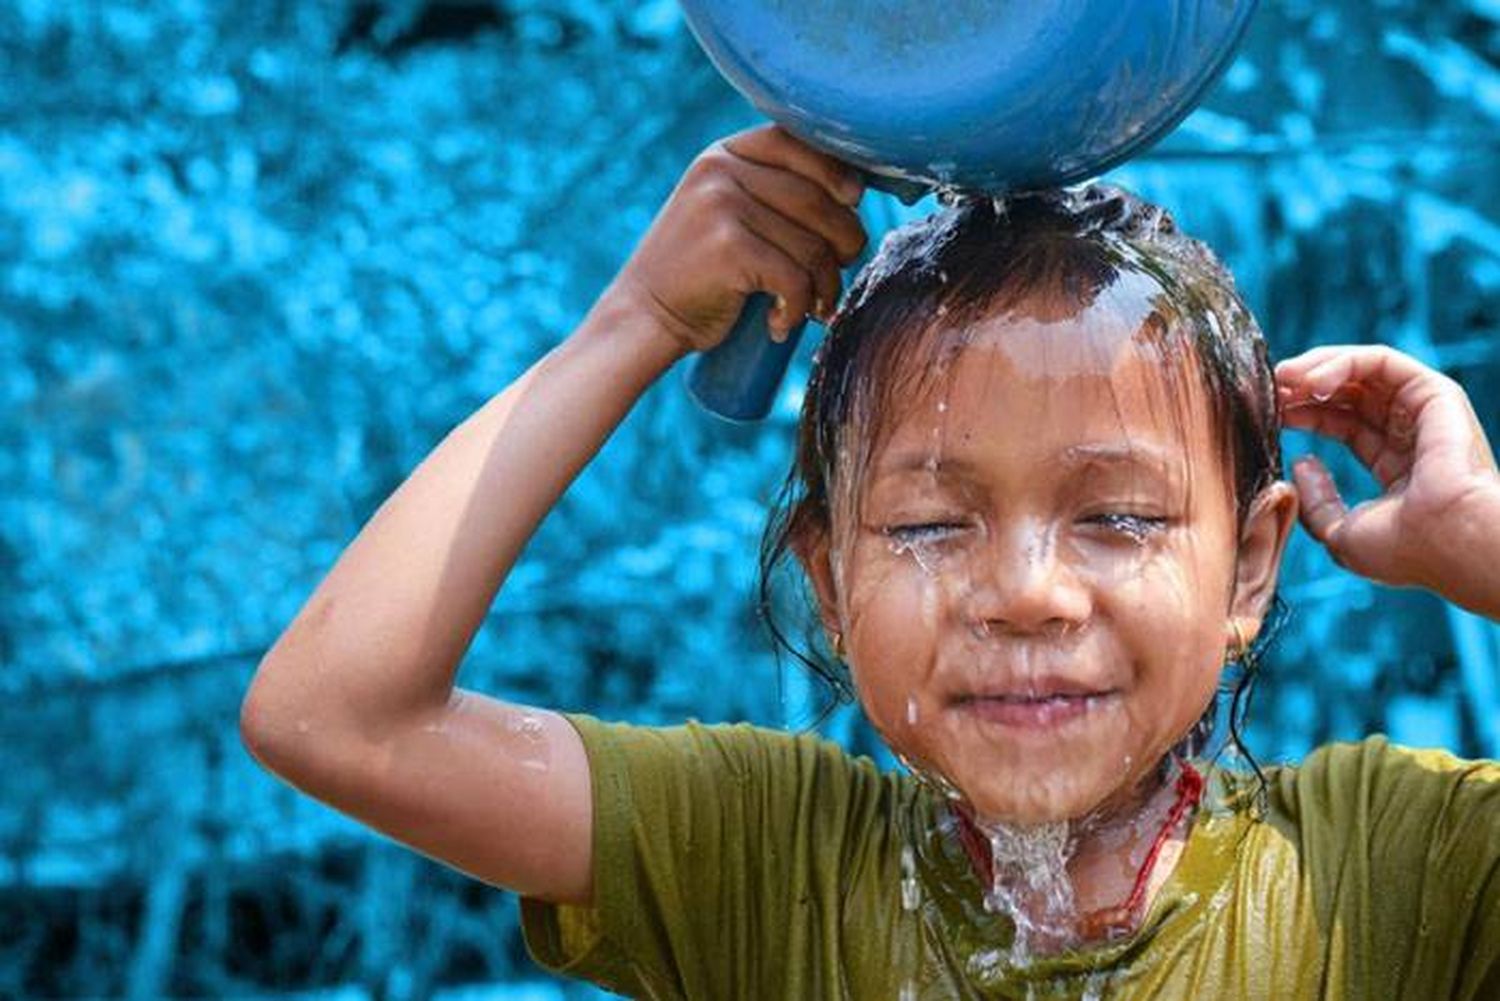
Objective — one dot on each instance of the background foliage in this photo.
(256, 259)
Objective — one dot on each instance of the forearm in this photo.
(383, 634)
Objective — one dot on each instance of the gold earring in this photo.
(1240, 647)
(838, 644)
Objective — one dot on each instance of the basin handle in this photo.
(738, 378)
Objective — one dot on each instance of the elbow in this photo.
(270, 717)
(257, 725)
(291, 729)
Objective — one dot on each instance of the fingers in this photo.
(1376, 380)
(1414, 408)
(1370, 397)
(806, 203)
(1387, 455)
(1320, 507)
(767, 267)
(773, 146)
(1357, 539)
(797, 201)
(809, 251)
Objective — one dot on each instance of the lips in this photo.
(1041, 703)
(1045, 687)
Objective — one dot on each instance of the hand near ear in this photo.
(1437, 522)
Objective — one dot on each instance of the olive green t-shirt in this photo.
(738, 862)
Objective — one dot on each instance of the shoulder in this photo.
(1375, 774)
(1400, 809)
(759, 829)
(739, 750)
(788, 782)
(1400, 848)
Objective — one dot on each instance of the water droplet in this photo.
(528, 724)
(526, 738)
(1093, 989)
(911, 890)
(911, 710)
(986, 963)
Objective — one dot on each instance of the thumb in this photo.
(1361, 540)
(1319, 505)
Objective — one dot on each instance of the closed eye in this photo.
(929, 531)
(1134, 526)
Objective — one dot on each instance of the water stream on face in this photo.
(923, 554)
(1029, 882)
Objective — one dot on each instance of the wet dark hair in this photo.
(1051, 252)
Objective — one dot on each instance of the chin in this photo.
(1030, 800)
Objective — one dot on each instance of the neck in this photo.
(1090, 880)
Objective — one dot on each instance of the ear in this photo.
(813, 552)
(1263, 539)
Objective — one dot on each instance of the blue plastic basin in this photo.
(994, 95)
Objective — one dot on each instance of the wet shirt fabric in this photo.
(736, 862)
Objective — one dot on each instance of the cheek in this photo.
(1182, 589)
(894, 613)
(1171, 621)
(892, 599)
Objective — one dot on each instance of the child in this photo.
(1037, 499)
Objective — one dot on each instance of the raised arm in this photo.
(355, 703)
(1437, 523)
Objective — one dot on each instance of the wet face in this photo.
(1038, 595)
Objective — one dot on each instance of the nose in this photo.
(1022, 584)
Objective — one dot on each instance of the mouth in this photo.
(1041, 705)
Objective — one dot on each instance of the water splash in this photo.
(920, 240)
(1030, 885)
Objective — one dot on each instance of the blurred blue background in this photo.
(256, 259)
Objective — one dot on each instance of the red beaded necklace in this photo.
(1108, 921)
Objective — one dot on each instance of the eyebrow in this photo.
(1089, 455)
(1121, 454)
